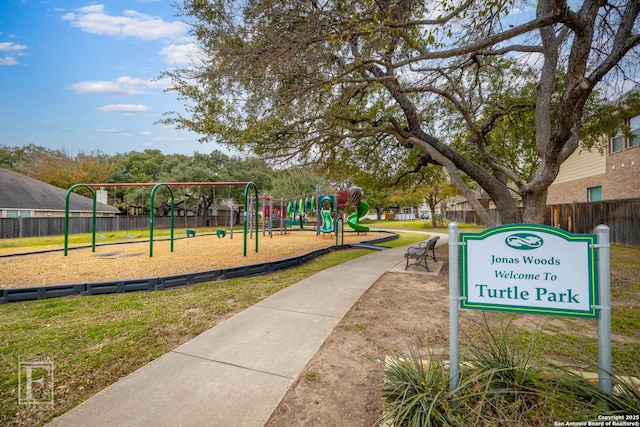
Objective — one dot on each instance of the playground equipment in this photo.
(353, 197)
(354, 220)
(326, 210)
(297, 209)
(274, 215)
(152, 210)
(328, 207)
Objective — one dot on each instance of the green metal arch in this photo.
(66, 218)
(246, 210)
(152, 213)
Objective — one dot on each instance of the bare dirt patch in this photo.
(131, 261)
(341, 385)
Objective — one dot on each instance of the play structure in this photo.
(353, 197)
(168, 186)
(326, 216)
(344, 199)
(326, 209)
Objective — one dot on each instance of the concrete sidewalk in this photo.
(236, 373)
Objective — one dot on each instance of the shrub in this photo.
(501, 383)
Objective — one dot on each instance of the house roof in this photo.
(18, 191)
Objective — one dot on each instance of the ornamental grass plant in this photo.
(502, 382)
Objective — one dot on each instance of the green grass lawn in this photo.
(94, 341)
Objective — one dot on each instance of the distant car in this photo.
(425, 215)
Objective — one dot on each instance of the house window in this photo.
(18, 214)
(616, 143)
(634, 124)
(620, 141)
(594, 194)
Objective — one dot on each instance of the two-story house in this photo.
(589, 176)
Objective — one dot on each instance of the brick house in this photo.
(589, 176)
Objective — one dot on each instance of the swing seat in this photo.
(191, 233)
(221, 233)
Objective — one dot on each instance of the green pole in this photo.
(171, 220)
(66, 218)
(339, 224)
(246, 198)
(151, 215)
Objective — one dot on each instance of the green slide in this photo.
(354, 220)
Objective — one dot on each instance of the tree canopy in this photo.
(63, 170)
(496, 90)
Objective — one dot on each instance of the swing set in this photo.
(168, 185)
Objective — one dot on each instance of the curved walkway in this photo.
(238, 372)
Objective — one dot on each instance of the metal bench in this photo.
(421, 253)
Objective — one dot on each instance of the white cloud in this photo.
(117, 132)
(14, 49)
(182, 54)
(163, 83)
(11, 47)
(8, 60)
(128, 109)
(94, 20)
(168, 139)
(94, 8)
(125, 85)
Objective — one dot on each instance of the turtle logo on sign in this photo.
(524, 241)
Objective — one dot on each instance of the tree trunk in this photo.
(534, 207)
(482, 213)
(507, 208)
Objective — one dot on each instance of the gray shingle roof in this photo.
(22, 192)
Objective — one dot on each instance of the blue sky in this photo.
(79, 76)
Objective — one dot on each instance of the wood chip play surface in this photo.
(131, 261)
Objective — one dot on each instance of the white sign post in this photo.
(531, 268)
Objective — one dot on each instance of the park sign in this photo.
(529, 268)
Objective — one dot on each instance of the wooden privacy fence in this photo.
(621, 216)
(39, 227)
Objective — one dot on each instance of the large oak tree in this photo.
(335, 83)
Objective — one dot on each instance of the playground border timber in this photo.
(174, 281)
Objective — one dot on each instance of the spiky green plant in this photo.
(416, 392)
